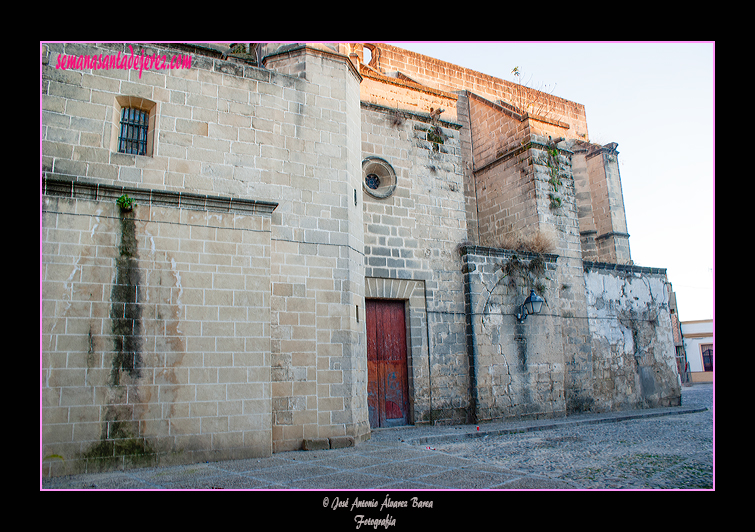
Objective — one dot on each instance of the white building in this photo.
(698, 343)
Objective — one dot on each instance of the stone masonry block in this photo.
(341, 442)
(316, 444)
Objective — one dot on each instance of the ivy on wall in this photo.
(555, 180)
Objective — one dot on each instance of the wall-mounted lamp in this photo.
(531, 305)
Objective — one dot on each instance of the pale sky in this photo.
(656, 101)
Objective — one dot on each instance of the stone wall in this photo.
(516, 368)
(412, 236)
(600, 202)
(155, 328)
(228, 128)
(634, 364)
(318, 342)
(225, 315)
(504, 188)
(617, 354)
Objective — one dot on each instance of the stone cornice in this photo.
(406, 82)
(611, 234)
(68, 187)
(421, 117)
(472, 249)
(626, 268)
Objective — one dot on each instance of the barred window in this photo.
(707, 352)
(133, 132)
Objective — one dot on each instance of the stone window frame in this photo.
(133, 102)
(383, 191)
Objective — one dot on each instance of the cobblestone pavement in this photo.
(652, 449)
(667, 452)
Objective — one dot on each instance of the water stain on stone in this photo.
(120, 435)
(125, 311)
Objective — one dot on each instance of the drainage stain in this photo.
(125, 311)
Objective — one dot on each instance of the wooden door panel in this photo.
(387, 388)
(372, 364)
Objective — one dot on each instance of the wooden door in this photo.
(387, 383)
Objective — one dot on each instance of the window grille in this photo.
(134, 128)
(707, 352)
(373, 181)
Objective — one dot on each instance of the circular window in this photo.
(378, 177)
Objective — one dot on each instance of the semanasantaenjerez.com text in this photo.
(124, 61)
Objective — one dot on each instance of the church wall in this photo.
(156, 330)
(634, 363)
(517, 367)
(612, 239)
(226, 129)
(318, 342)
(224, 316)
(451, 78)
(504, 186)
(413, 235)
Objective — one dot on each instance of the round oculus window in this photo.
(378, 177)
(372, 181)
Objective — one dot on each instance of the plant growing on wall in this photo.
(530, 101)
(125, 203)
(435, 135)
(397, 118)
(532, 273)
(554, 179)
(555, 201)
(538, 242)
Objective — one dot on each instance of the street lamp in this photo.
(532, 305)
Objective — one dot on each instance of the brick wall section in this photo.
(501, 188)
(403, 95)
(587, 228)
(506, 201)
(600, 203)
(218, 124)
(608, 201)
(514, 195)
(562, 225)
(606, 355)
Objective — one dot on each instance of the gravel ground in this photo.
(667, 452)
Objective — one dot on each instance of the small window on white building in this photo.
(707, 354)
